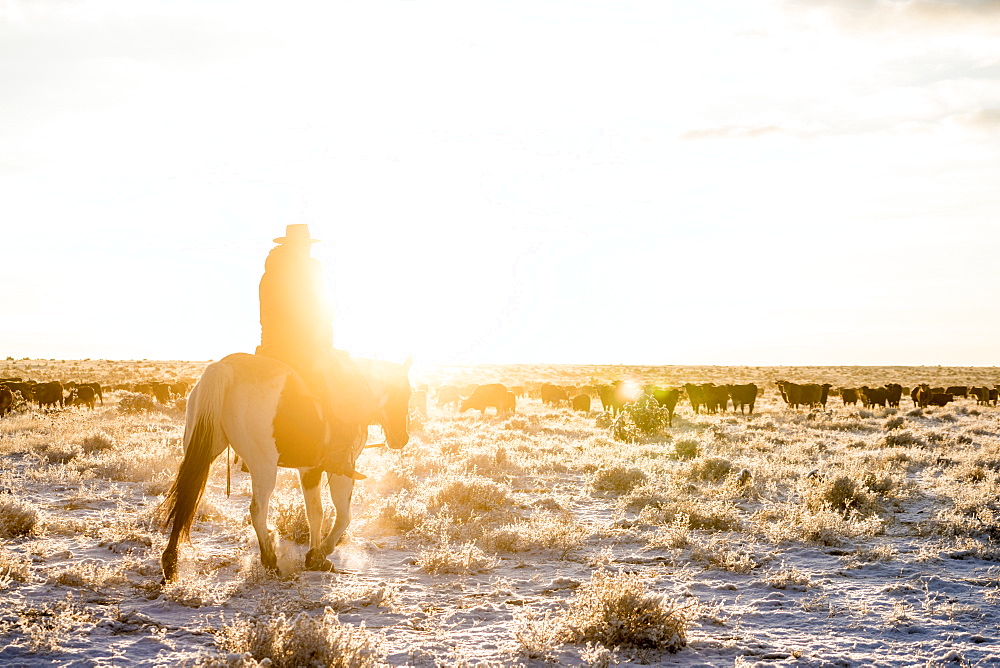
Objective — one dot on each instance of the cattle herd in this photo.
(614, 397)
(703, 398)
(54, 394)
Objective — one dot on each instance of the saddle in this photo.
(322, 419)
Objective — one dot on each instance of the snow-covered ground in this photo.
(470, 546)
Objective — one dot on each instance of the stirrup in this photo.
(349, 473)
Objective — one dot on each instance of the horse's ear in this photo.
(408, 362)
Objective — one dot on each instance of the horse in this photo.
(264, 410)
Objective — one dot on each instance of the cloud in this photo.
(983, 121)
(792, 126)
(738, 132)
(980, 121)
(933, 16)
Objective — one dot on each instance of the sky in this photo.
(754, 182)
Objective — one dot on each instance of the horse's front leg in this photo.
(341, 492)
(263, 485)
(311, 479)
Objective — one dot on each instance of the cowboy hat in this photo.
(298, 233)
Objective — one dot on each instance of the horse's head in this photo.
(391, 386)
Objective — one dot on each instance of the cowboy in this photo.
(296, 325)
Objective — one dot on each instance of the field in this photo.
(836, 537)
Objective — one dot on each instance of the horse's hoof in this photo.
(315, 562)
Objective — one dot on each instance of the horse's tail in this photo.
(203, 442)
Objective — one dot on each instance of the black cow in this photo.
(6, 400)
(893, 394)
(921, 395)
(23, 388)
(941, 399)
(161, 392)
(553, 394)
(668, 399)
(49, 394)
(615, 396)
(716, 397)
(849, 395)
(810, 394)
(581, 402)
(957, 391)
(448, 394)
(82, 394)
(743, 395)
(492, 395)
(696, 395)
(872, 396)
(982, 395)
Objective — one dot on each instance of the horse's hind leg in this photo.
(312, 494)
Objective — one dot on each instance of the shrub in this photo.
(623, 429)
(618, 479)
(468, 497)
(894, 423)
(97, 441)
(675, 535)
(289, 515)
(17, 518)
(647, 415)
(784, 522)
(14, 567)
(617, 610)
(649, 495)
(841, 494)
(712, 469)
(686, 449)
(44, 628)
(789, 577)
(60, 453)
(143, 465)
(131, 403)
(719, 552)
(446, 558)
(301, 641)
(540, 532)
(399, 514)
(901, 438)
(710, 515)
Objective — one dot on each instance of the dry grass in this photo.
(13, 568)
(17, 517)
(618, 479)
(446, 558)
(474, 500)
(467, 497)
(45, 628)
(303, 640)
(617, 610)
(544, 532)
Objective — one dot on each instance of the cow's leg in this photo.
(311, 480)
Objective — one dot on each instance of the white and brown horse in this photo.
(263, 409)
